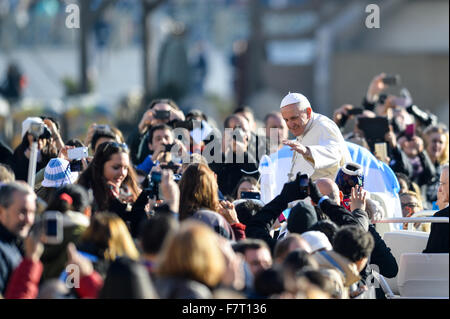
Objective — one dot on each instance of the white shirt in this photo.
(328, 149)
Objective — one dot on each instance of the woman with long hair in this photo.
(198, 190)
(436, 140)
(106, 239)
(114, 186)
(199, 199)
(191, 263)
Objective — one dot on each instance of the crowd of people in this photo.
(174, 210)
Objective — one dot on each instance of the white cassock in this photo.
(329, 151)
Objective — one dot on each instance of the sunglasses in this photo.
(120, 146)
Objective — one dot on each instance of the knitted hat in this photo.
(57, 173)
(293, 98)
(317, 240)
(301, 218)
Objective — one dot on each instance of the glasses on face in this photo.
(120, 146)
(410, 205)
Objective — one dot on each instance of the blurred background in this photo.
(212, 55)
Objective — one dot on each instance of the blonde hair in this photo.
(193, 253)
(109, 231)
(443, 131)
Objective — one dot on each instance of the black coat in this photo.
(6, 155)
(229, 174)
(10, 256)
(438, 240)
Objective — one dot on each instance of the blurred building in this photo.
(324, 50)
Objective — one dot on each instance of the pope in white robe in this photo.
(319, 148)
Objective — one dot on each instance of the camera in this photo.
(251, 195)
(172, 166)
(391, 79)
(162, 115)
(102, 127)
(303, 185)
(355, 111)
(52, 227)
(168, 147)
(39, 131)
(77, 153)
(151, 185)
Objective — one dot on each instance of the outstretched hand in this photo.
(358, 198)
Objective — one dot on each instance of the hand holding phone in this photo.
(381, 151)
(53, 227)
(77, 153)
(251, 195)
(391, 80)
(410, 131)
(303, 185)
(162, 115)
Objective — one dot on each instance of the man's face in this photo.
(443, 192)
(410, 205)
(246, 187)
(276, 122)
(295, 119)
(161, 137)
(241, 122)
(258, 259)
(19, 216)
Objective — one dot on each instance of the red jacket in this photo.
(24, 282)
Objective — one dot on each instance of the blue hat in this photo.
(57, 173)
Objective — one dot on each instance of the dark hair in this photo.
(326, 226)
(128, 279)
(75, 142)
(353, 243)
(269, 282)
(101, 133)
(319, 279)
(243, 179)
(93, 177)
(80, 199)
(163, 101)
(282, 246)
(246, 244)
(155, 128)
(243, 109)
(298, 259)
(271, 114)
(51, 118)
(154, 232)
(226, 123)
(246, 210)
(45, 193)
(193, 114)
